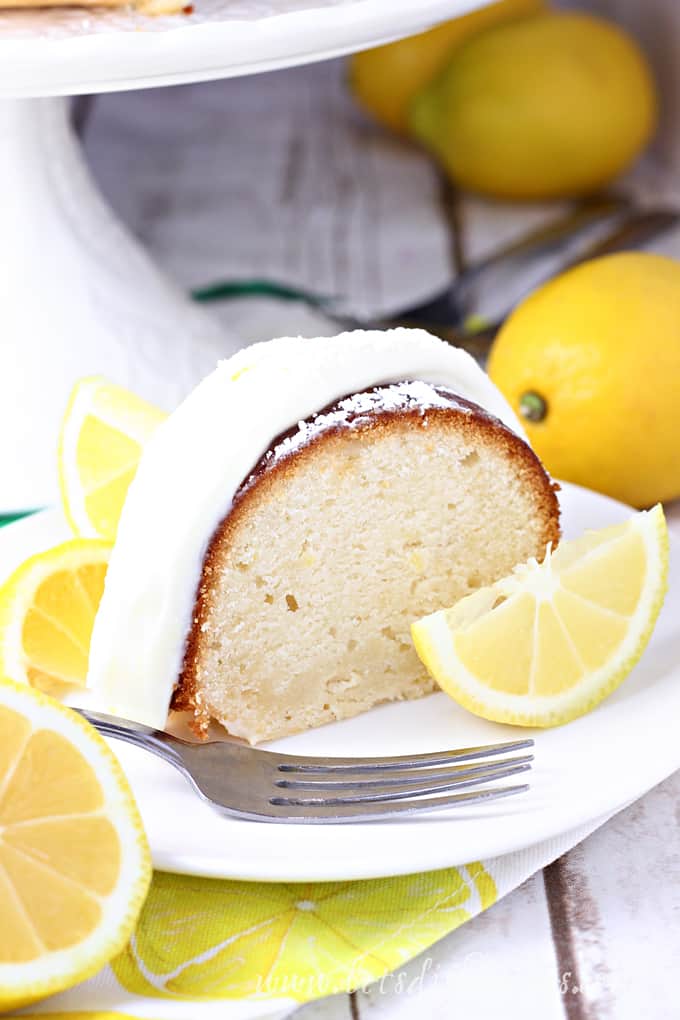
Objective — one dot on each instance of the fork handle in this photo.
(137, 734)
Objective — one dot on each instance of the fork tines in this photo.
(346, 789)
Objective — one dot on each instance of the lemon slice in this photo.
(551, 640)
(102, 436)
(47, 611)
(74, 862)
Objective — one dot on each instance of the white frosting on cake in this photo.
(193, 466)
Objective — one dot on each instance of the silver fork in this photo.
(264, 786)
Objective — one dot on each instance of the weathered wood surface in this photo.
(278, 176)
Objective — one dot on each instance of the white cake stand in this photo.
(79, 296)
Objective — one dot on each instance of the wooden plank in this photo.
(501, 963)
(615, 905)
(574, 915)
(336, 1007)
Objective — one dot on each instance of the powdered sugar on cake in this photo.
(358, 410)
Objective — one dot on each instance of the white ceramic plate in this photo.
(64, 51)
(582, 771)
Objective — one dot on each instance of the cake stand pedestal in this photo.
(79, 295)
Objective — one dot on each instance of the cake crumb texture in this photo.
(312, 580)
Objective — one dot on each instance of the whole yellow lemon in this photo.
(591, 364)
(550, 105)
(384, 80)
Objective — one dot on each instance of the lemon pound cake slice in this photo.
(357, 521)
(291, 520)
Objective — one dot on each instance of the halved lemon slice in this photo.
(74, 861)
(551, 640)
(47, 611)
(104, 430)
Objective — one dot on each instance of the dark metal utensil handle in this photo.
(636, 230)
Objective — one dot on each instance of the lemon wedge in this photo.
(103, 432)
(550, 641)
(47, 611)
(74, 861)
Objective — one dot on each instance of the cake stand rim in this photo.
(123, 60)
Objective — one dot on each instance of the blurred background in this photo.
(289, 177)
(436, 181)
(351, 192)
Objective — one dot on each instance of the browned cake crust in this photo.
(277, 464)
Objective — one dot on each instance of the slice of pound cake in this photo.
(294, 516)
